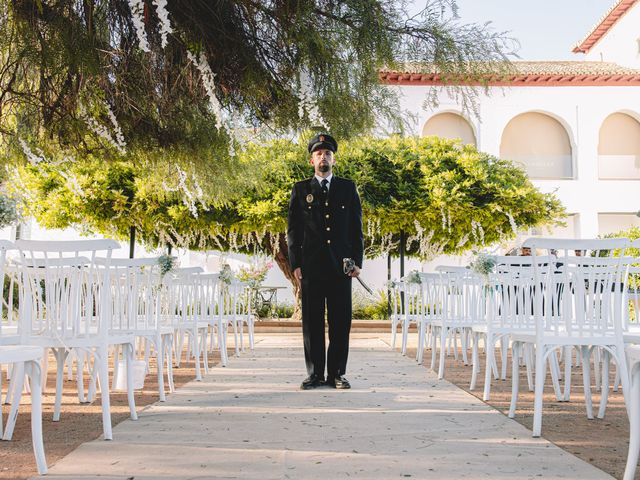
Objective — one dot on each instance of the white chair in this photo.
(26, 361)
(8, 328)
(395, 296)
(461, 292)
(412, 308)
(432, 302)
(185, 306)
(503, 316)
(65, 305)
(235, 311)
(243, 313)
(136, 293)
(575, 304)
(211, 312)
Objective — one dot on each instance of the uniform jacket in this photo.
(321, 232)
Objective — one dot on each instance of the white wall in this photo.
(581, 110)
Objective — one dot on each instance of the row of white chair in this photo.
(543, 307)
(76, 300)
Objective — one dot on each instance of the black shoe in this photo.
(339, 383)
(312, 381)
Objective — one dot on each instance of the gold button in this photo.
(328, 229)
(328, 241)
(326, 216)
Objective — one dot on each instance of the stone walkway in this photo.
(250, 421)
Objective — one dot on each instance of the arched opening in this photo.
(540, 144)
(619, 147)
(450, 125)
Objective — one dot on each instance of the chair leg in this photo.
(116, 361)
(420, 349)
(405, 334)
(604, 397)
(554, 368)
(17, 378)
(160, 367)
(596, 368)
(101, 356)
(475, 360)
(196, 346)
(235, 335)
(33, 370)
(504, 350)
(528, 361)
(129, 349)
(489, 361)
(169, 354)
(434, 335)
(203, 351)
(541, 373)
(61, 356)
(586, 380)
(568, 355)
(634, 425)
(394, 331)
(515, 377)
(463, 345)
(80, 359)
(222, 344)
(44, 368)
(443, 341)
(250, 329)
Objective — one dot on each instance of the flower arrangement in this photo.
(254, 275)
(226, 274)
(413, 277)
(393, 284)
(483, 263)
(167, 263)
(8, 211)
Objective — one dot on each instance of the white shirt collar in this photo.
(320, 179)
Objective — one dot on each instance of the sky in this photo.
(546, 29)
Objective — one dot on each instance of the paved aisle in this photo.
(250, 421)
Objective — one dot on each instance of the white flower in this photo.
(137, 17)
(208, 80)
(512, 222)
(32, 157)
(307, 103)
(118, 143)
(163, 16)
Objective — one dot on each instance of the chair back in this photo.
(136, 293)
(461, 294)
(8, 317)
(64, 292)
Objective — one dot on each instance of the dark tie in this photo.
(324, 184)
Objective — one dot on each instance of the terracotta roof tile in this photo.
(521, 73)
(599, 30)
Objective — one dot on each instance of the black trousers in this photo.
(335, 293)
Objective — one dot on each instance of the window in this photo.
(619, 148)
(540, 144)
(450, 125)
(616, 222)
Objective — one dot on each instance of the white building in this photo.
(573, 125)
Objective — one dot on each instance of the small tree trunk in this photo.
(282, 259)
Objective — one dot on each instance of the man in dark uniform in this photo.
(324, 227)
